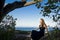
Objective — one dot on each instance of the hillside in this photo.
(52, 35)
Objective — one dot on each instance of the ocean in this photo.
(30, 28)
(25, 28)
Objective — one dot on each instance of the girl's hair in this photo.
(43, 22)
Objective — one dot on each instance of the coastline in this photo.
(31, 28)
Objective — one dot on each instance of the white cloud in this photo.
(33, 23)
(26, 23)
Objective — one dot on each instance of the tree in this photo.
(4, 10)
(48, 7)
(7, 28)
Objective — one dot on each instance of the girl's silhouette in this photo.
(36, 35)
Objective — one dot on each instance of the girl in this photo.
(36, 35)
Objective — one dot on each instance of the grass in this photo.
(22, 32)
(52, 35)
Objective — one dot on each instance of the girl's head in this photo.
(42, 22)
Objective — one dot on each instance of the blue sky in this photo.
(28, 16)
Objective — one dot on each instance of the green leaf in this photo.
(38, 5)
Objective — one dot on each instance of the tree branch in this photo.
(31, 3)
(9, 7)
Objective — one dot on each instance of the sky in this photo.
(29, 16)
